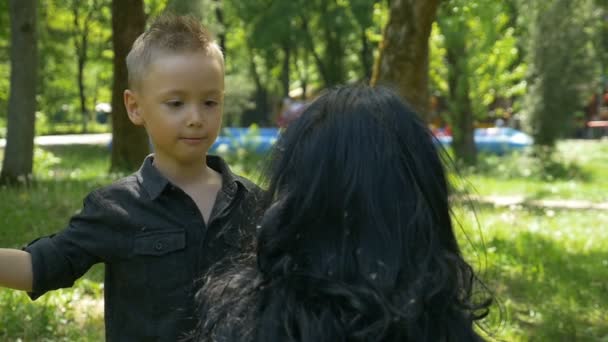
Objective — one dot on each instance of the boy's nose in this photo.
(196, 117)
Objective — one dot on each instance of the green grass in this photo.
(63, 176)
(548, 268)
(43, 128)
(577, 172)
(74, 314)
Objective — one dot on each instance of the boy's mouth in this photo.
(192, 141)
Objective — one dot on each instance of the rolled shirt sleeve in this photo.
(60, 259)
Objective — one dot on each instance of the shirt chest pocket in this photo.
(163, 259)
(159, 243)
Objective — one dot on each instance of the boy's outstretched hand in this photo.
(16, 269)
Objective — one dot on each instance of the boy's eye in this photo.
(211, 103)
(174, 103)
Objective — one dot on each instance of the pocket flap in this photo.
(160, 243)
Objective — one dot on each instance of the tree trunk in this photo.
(81, 92)
(302, 71)
(129, 142)
(19, 152)
(310, 44)
(333, 52)
(259, 114)
(334, 57)
(560, 67)
(463, 129)
(367, 56)
(219, 16)
(403, 60)
(285, 81)
(81, 45)
(455, 30)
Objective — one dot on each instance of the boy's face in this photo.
(179, 101)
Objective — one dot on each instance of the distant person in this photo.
(157, 230)
(358, 244)
(500, 122)
(290, 110)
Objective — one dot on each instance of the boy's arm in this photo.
(16, 269)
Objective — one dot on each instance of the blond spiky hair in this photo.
(173, 34)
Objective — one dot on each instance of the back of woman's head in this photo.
(358, 243)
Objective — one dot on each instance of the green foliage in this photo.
(154, 7)
(329, 42)
(186, 7)
(338, 45)
(562, 61)
(491, 52)
(5, 65)
(237, 98)
(4, 82)
(323, 40)
(540, 165)
(602, 36)
(58, 88)
(64, 315)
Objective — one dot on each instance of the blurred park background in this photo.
(532, 221)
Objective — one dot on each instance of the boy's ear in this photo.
(132, 107)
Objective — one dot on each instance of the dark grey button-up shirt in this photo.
(155, 245)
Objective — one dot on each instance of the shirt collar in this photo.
(154, 182)
(151, 179)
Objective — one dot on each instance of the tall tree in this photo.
(266, 29)
(5, 58)
(560, 66)
(404, 52)
(186, 7)
(74, 41)
(602, 12)
(363, 11)
(19, 152)
(82, 25)
(219, 16)
(475, 67)
(454, 27)
(129, 142)
(260, 96)
(326, 26)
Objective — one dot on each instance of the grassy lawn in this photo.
(580, 172)
(64, 175)
(548, 268)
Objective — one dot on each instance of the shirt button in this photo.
(158, 246)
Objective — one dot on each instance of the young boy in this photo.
(160, 229)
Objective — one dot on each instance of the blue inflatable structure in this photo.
(258, 140)
(496, 140)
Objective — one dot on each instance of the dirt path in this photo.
(505, 201)
(69, 139)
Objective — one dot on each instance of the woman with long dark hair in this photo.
(358, 243)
